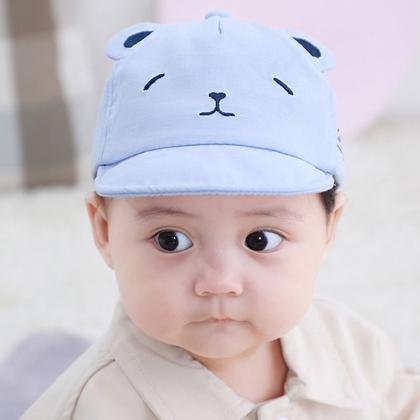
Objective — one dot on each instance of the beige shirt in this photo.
(340, 367)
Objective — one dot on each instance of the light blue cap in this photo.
(220, 106)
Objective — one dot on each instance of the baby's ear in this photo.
(322, 57)
(121, 43)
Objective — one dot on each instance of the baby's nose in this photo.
(218, 282)
(218, 287)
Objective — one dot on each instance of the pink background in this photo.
(373, 42)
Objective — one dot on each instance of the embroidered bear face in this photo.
(131, 40)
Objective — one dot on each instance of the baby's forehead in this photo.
(224, 205)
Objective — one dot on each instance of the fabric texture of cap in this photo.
(220, 106)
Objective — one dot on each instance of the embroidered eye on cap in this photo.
(220, 106)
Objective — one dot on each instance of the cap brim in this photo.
(210, 169)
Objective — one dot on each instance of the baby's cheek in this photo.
(295, 306)
(284, 306)
(163, 311)
(154, 319)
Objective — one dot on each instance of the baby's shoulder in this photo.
(342, 318)
(93, 386)
(362, 346)
(61, 396)
(346, 326)
(371, 360)
(109, 395)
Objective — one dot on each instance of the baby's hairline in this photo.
(327, 199)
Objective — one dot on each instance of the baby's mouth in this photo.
(219, 320)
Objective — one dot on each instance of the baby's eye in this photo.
(258, 240)
(168, 239)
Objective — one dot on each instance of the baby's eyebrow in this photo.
(160, 211)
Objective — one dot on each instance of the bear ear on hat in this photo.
(322, 57)
(120, 44)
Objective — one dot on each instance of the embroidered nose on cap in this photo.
(219, 13)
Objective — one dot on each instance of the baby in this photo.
(218, 175)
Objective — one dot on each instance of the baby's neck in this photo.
(260, 376)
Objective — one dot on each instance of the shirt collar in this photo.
(168, 378)
(318, 372)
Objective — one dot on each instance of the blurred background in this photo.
(56, 293)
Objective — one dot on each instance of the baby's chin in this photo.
(219, 342)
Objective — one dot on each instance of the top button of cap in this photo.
(220, 13)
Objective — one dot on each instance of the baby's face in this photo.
(176, 271)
